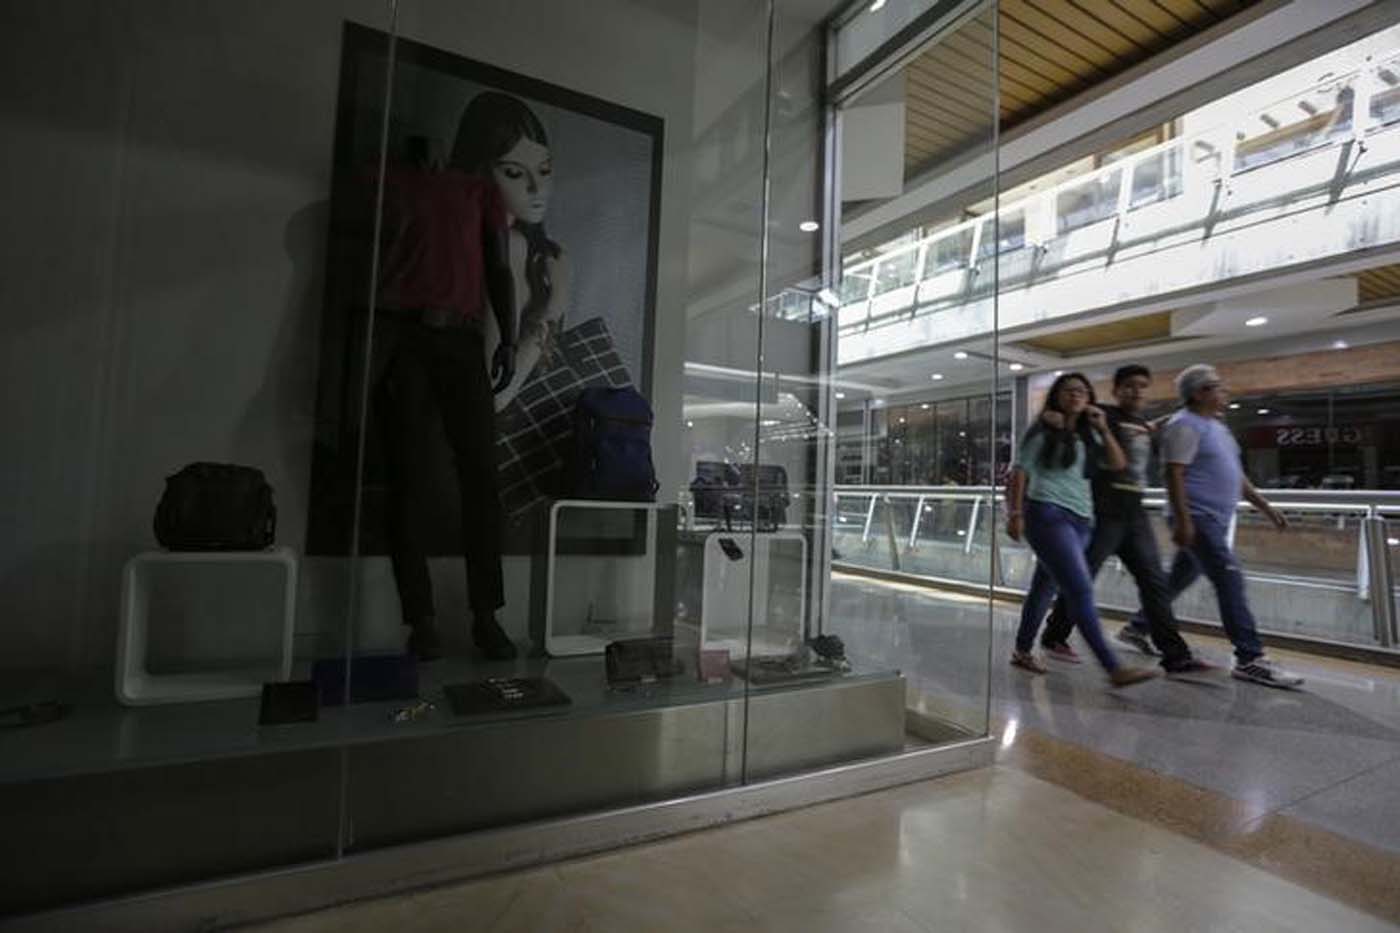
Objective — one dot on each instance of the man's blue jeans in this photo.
(1059, 539)
(1210, 554)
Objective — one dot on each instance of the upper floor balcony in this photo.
(1308, 186)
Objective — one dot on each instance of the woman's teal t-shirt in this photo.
(1067, 487)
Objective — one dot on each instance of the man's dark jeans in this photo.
(1130, 537)
(433, 381)
(1210, 554)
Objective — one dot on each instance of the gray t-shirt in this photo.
(1214, 474)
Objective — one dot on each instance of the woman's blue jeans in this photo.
(1059, 539)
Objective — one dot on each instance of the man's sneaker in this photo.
(1127, 676)
(1028, 662)
(424, 642)
(1061, 651)
(491, 640)
(1263, 671)
(1135, 639)
(1190, 666)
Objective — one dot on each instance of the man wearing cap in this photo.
(1205, 480)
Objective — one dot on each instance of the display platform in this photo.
(107, 776)
(100, 735)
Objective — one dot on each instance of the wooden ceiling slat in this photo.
(1072, 60)
(938, 118)
(1010, 70)
(1041, 64)
(1127, 37)
(1147, 12)
(944, 69)
(1193, 12)
(962, 99)
(1102, 48)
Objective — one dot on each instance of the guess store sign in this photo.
(1299, 435)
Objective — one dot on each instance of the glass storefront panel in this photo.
(171, 224)
(922, 434)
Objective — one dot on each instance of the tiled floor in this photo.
(990, 850)
(1328, 754)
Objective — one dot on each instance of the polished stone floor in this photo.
(989, 850)
(1328, 754)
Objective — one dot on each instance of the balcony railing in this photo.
(1329, 577)
(950, 263)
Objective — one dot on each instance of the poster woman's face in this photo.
(525, 176)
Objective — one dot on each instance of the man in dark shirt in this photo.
(1121, 527)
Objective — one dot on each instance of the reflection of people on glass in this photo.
(500, 137)
(444, 251)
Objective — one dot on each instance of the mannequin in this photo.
(445, 262)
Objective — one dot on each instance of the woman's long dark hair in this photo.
(491, 125)
(1058, 451)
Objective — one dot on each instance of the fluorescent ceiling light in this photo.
(1017, 367)
(1258, 321)
(877, 5)
(840, 395)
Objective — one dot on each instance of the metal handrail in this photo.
(1375, 581)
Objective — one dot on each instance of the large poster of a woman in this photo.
(577, 180)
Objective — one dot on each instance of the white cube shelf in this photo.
(137, 686)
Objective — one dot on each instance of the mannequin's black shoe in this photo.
(424, 642)
(491, 641)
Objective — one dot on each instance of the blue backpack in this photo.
(612, 446)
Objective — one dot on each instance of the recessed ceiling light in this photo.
(690, 424)
(962, 434)
(1340, 345)
(1258, 321)
(903, 420)
(877, 5)
(936, 377)
(925, 406)
(960, 355)
(1234, 405)
(840, 395)
(1059, 373)
(809, 226)
(1393, 542)
(1262, 411)
(1017, 367)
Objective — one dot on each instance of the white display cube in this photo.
(138, 685)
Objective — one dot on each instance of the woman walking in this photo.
(1050, 501)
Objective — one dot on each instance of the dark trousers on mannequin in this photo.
(433, 382)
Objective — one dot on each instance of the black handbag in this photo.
(216, 507)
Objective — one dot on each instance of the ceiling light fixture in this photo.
(809, 226)
(1262, 411)
(1258, 321)
(925, 406)
(960, 355)
(877, 5)
(840, 395)
(1017, 367)
(1234, 405)
(936, 377)
(1340, 345)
